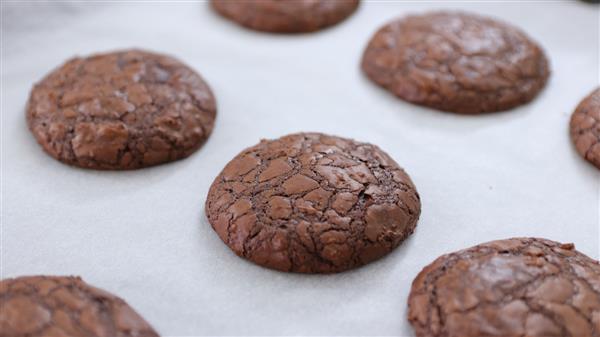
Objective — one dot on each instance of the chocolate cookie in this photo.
(286, 16)
(312, 203)
(456, 62)
(54, 306)
(585, 128)
(121, 110)
(510, 288)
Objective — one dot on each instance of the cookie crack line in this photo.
(457, 62)
(312, 203)
(121, 110)
(501, 286)
(36, 306)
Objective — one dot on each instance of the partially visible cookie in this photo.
(456, 62)
(60, 306)
(285, 16)
(585, 128)
(516, 287)
(122, 110)
(312, 203)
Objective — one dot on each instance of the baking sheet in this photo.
(143, 234)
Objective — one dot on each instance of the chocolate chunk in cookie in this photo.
(44, 306)
(516, 287)
(456, 62)
(585, 128)
(121, 110)
(285, 16)
(312, 203)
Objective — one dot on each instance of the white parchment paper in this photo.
(143, 234)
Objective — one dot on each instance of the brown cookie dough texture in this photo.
(312, 203)
(53, 306)
(456, 62)
(285, 16)
(510, 288)
(585, 128)
(121, 110)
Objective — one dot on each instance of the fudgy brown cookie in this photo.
(585, 128)
(60, 306)
(511, 288)
(121, 110)
(286, 16)
(456, 62)
(312, 203)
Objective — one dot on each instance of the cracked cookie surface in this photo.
(61, 306)
(512, 288)
(585, 128)
(121, 110)
(286, 16)
(456, 62)
(312, 203)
